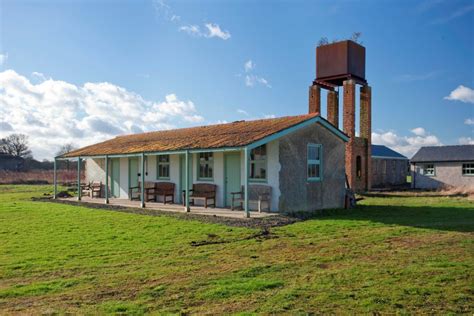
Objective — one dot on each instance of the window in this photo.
(163, 166)
(429, 170)
(468, 169)
(314, 162)
(206, 166)
(258, 163)
(358, 166)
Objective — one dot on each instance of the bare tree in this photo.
(16, 145)
(356, 37)
(323, 41)
(64, 149)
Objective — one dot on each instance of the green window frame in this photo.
(205, 171)
(258, 164)
(429, 170)
(163, 167)
(468, 169)
(315, 162)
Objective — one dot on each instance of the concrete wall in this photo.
(446, 174)
(297, 194)
(273, 175)
(388, 172)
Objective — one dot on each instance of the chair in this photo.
(257, 193)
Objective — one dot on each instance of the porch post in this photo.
(79, 178)
(246, 182)
(55, 179)
(142, 186)
(106, 179)
(186, 198)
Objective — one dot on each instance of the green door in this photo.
(182, 174)
(132, 172)
(115, 177)
(232, 175)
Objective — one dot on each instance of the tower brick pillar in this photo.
(315, 99)
(333, 108)
(366, 128)
(349, 129)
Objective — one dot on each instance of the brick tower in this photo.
(342, 64)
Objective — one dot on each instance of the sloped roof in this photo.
(384, 151)
(236, 134)
(445, 153)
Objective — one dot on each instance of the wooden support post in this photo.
(186, 195)
(106, 179)
(142, 186)
(79, 179)
(246, 182)
(55, 179)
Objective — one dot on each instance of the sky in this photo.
(81, 72)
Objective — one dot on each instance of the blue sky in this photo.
(147, 65)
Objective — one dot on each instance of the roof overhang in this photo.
(267, 139)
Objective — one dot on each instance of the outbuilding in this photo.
(443, 166)
(389, 168)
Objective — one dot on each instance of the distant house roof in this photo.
(236, 134)
(445, 153)
(381, 151)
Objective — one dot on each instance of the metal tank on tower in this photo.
(342, 64)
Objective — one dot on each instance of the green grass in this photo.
(390, 255)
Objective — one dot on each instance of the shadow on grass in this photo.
(448, 218)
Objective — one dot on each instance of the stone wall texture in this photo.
(389, 172)
(297, 194)
(447, 174)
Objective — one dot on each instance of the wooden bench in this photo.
(202, 191)
(134, 193)
(93, 189)
(257, 193)
(164, 189)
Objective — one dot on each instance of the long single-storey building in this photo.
(389, 168)
(443, 166)
(299, 159)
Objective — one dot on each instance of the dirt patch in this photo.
(261, 223)
(262, 235)
(453, 192)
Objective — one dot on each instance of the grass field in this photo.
(390, 255)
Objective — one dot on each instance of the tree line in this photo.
(17, 145)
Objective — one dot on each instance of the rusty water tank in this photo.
(340, 61)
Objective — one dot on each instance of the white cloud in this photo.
(3, 58)
(242, 112)
(461, 93)
(55, 112)
(251, 80)
(469, 121)
(38, 76)
(214, 30)
(191, 30)
(249, 65)
(454, 15)
(406, 145)
(416, 77)
(268, 116)
(165, 12)
(466, 141)
(418, 131)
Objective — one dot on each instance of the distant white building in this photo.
(443, 166)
